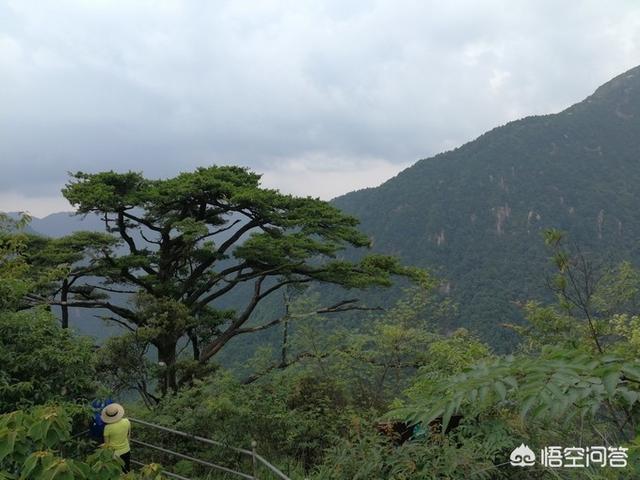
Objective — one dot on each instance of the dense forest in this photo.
(392, 395)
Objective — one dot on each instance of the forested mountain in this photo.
(475, 214)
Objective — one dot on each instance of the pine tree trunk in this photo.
(167, 355)
(195, 346)
(64, 295)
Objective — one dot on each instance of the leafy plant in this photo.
(42, 362)
(33, 442)
(559, 385)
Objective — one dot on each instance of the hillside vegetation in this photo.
(475, 214)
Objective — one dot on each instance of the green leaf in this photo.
(483, 394)
(7, 444)
(629, 395)
(632, 371)
(555, 390)
(511, 381)
(610, 381)
(527, 404)
(446, 416)
(539, 410)
(501, 390)
(29, 465)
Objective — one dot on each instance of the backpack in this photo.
(96, 429)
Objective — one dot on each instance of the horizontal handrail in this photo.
(250, 453)
(194, 437)
(193, 459)
(164, 472)
(271, 467)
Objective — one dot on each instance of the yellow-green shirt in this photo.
(116, 436)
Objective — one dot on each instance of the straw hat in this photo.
(112, 413)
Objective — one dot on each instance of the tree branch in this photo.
(344, 306)
(347, 305)
(124, 272)
(281, 366)
(258, 296)
(211, 282)
(156, 242)
(122, 229)
(123, 312)
(200, 269)
(142, 221)
(114, 290)
(118, 321)
(216, 232)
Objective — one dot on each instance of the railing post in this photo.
(254, 444)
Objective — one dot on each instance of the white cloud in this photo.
(316, 175)
(33, 205)
(164, 86)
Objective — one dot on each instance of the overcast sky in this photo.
(322, 97)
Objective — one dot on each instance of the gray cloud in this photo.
(293, 89)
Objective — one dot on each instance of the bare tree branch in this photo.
(344, 306)
(106, 289)
(118, 321)
(142, 221)
(156, 242)
(281, 366)
(200, 269)
(216, 232)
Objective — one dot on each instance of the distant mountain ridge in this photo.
(63, 223)
(475, 214)
(60, 224)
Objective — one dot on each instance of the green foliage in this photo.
(14, 281)
(123, 364)
(33, 442)
(560, 385)
(58, 263)
(549, 325)
(292, 418)
(619, 290)
(453, 354)
(163, 317)
(32, 266)
(303, 412)
(189, 241)
(293, 413)
(377, 361)
(67, 251)
(576, 374)
(627, 330)
(41, 362)
(374, 360)
(470, 452)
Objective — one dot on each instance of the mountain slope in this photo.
(64, 223)
(475, 214)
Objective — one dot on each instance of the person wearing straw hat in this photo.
(117, 431)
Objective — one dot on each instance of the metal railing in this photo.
(164, 472)
(256, 459)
